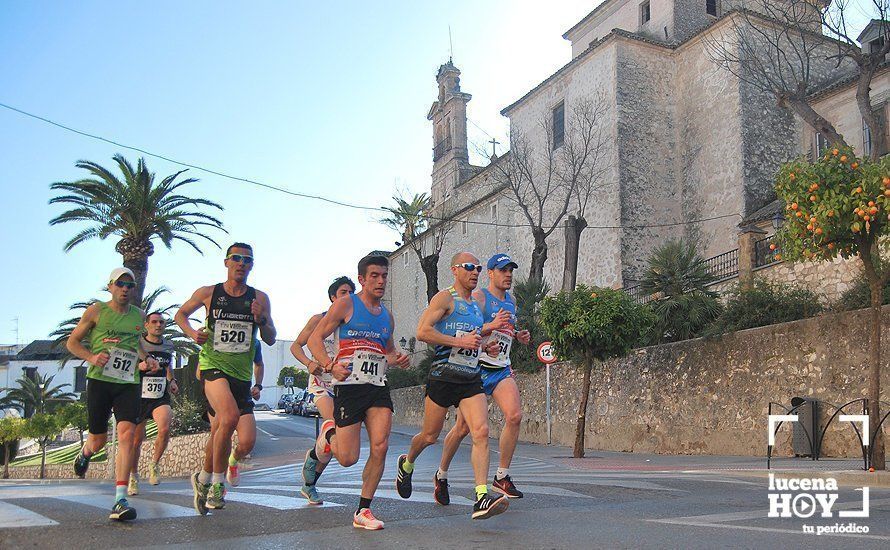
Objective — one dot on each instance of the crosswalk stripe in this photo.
(392, 494)
(146, 509)
(16, 516)
(266, 500)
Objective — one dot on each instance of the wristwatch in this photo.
(260, 386)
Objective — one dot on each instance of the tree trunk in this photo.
(874, 355)
(430, 266)
(874, 122)
(80, 433)
(43, 460)
(581, 426)
(539, 256)
(6, 453)
(574, 226)
(801, 107)
(139, 267)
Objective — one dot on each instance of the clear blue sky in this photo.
(317, 97)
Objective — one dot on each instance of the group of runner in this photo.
(350, 349)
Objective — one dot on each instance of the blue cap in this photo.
(500, 261)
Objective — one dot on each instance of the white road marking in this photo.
(266, 500)
(392, 494)
(16, 516)
(145, 509)
(272, 437)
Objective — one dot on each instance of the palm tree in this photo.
(37, 395)
(182, 345)
(408, 216)
(678, 277)
(528, 295)
(136, 209)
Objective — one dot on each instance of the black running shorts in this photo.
(149, 405)
(240, 391)
(103, 398)
(352, 401)
(449, 394)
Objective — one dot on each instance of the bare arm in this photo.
(440, 307)
(302, 339)
(336, 315)
(263, 317)
(83, 328)
(198, 300)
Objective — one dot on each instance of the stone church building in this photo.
(691, 150)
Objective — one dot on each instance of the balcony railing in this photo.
(441, 148)
(763, 255)
(723, 266)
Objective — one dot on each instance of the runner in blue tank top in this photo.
(499, 313)
(453, 324)
(365, 347)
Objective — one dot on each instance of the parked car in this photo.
(284, 400)
(294, 407)
(306, 406)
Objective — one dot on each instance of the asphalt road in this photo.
(602, 501)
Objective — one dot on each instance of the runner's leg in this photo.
(219, 395)
(433, 421)
(506, 395)
(378, 423)
(138, 438)
(163, 417)
(246, 436)
(475, 412)
(452, 441)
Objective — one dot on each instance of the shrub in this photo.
(188, 416)
(859, 297)
(528, 295)
(765, 303)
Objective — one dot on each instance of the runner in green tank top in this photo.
(235, 313)
(116, 358)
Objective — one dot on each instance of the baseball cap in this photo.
(500, 261)
(119, 272)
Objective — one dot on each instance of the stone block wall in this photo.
(704, 396)
(829, 280)
(183, 456)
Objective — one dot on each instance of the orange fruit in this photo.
(843, 158)
(810, 227)
(886, 180)
(794, 206)
(858, 190)
(830, 213)
(778, 257)
(873, 210)
(854, 166)
(830, 246)
(887, 192)
(813, 198)
(791, 175)
(866, 217)
(871, 203)
(818, 231)
(772, 246)
(798, 213)
(834, 152)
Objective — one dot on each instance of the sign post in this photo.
(288, 381)
(546, 356)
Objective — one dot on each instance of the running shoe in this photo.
(489, 506)
(216, 497)
(505, 487)
(154, 474)
(403, 479)
(310, 475)
(122, 511)
(200, 490)
(133, 486)
(311, 494)
(232, 475)
(441, 491)
(364, 519)
(81, 463)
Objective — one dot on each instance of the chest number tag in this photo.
(464, 357)
(232, 336)
(369, 368)
(121, 365)
(153, 387)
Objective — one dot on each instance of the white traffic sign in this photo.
(288, 381)
(545, 353)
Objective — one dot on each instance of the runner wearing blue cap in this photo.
(499, 313)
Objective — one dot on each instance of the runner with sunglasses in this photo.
(156, 389)
(116, 359)
(321, 386)
(452, 323)
(499, 312)
(364, 329)
(235, 313)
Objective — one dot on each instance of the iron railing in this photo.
(723, 266)
(441, 148)
(763, 255)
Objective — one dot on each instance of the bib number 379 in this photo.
(121, 365)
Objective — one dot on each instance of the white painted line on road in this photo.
(16, 516)
(51, 491)
(272, 437)
(145, 509)
(392, 494)
(266, 500)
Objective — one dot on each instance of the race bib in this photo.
(368, 368)
(464, 357)
(505, 343)
(153, 387)
(121, 365)
(232, 336)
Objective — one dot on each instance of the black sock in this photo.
(312, 454)
(363, 503)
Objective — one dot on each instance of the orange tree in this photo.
(589, 325)
(840, 206)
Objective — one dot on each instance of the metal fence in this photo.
(721, 266)
(763, 255)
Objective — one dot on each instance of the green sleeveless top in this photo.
(115, 330)
(231, 334)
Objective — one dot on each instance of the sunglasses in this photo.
(240, 258)
(470, 267)
(125, 284)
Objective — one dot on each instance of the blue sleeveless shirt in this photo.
(449, 367)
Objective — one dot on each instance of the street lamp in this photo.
(403, 342)
(778, 220)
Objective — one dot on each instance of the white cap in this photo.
(118, 272)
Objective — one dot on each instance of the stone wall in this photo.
(183, 456)
(704, 396)
(829, 280)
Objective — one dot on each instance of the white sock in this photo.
(441, 474)
(218, 478)
(204, 477)
(502, 473)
